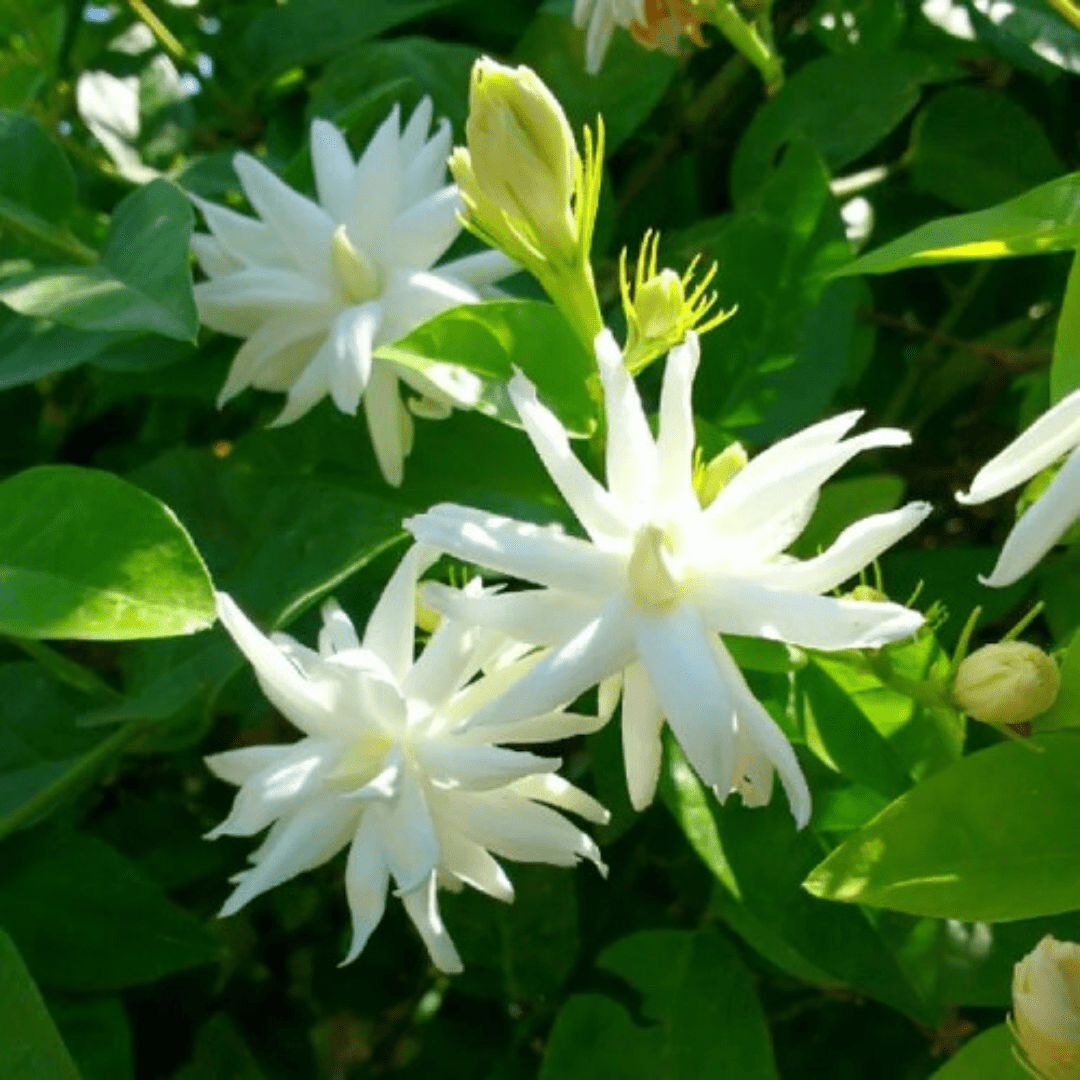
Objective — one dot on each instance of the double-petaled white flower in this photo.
(388, 766)
(660, 576)
(1055, 434)
(316, 287)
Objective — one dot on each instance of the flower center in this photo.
(357, 275)
(655, 578)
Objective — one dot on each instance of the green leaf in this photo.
(97, 1031)
(872, 91)
(311, 31)
(31, 1048)
(1030, 35)
(1040, 221)
(36, 173)
(1065, 367)
(843, 502)
(221, 1054)
(989, 1056)
(759, 860)
(973, 147)
(143, 282)
(1065, 712)
(704, 1019)
(86, 919)
(84, 554)
(493, 339)
(31, 349)
(995, 837)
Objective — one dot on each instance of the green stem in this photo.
(750, 41)
(168, 40)
(84, 770)
(1067, 10)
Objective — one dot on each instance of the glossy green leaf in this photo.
(84, 554)
(989, 1056)
(36, 173)
(1042, 220)
(86, 919)
(1065, 712)
(493, 339)
(1030, 35)
(872, 91)
(1065, 367)
(31, 1048)
(143, 282)
(31, 349)
(702, 1016)
(973, 147)
(221, 1054)
(995, 837)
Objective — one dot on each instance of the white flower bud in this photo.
(1006, 683)
(1046, 1008)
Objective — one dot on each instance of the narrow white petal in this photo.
(367, 878)
(238, 303)
(642, 721)
(337, 633)
(470, 863)
(387, 423)
(546, 728)
(496, 680)
(377, 189)
(270, 347)
(425, 171)
(409, 841)
(424, 231)
(592, 504)
(815, 622)
(679, 656)
(604, 646)
(306, 704)
(312, 385)
(351, 339)
(1053, 435)
(855, 548)
(598, 38)
(582, 10)
(412, 297)
(675, 441)
(333, 165)
(541, 554)
(391, 630)
(765, 733)
(1041, 526)
(555, 791)
(246, 239)
(607, 696)
(631, 461)
(481, 269)
(238, 766)
(535, 616)
(212, 256)
(454, 763)
(422, 904)
(415, 134)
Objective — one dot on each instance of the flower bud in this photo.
(1046, 1008)
(868, 595)
(711, 479)
(1006, 683)
(522, 159)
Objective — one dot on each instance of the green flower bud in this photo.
(711, 479)
(868, 595)
(1007, 683)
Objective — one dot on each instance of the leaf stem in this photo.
(65, 670)
(753, 40)
(168, 40)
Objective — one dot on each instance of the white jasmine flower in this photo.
(1046, 1009)
(317, 287)
(602, 16)
(387, 766)
(660, 576)
(655, 24)
(1055, 434)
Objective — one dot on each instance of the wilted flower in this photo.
(656, 24)
(316, 287)
(1046, 1009)
(1055, 434)
(660, 576)
(388, 766)
(1007, 683)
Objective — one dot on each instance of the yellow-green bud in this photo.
(1046, 1008)
(711, 479)
(868, 595)
(653, 579)
(521, 158)
(1007, 683)
(658, 305)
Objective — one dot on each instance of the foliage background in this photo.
(701, 956)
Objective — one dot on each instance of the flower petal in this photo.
(426, 229)
(269, 353)
(675, 441)
(337, 633)
(422, 905)
(642, 721)
(351, 338)
(212, 256)
(547, 727)
(388, 424)
(469, 862)
(480, 269)
(454, 763)
(367, 878)
(414, 136)
(1040, 527)
(377, 190)
(409, 840)
(555, 791)
(413, 297)
(334, 168)
(246, 239)
(391, 630)
(1054, 434)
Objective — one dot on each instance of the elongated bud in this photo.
(711, 479)
(1046, 1009)
(1006, 683)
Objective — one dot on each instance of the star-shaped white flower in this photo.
(316, 287)
(660, 577)
(601, 17)
(1055, 434)
(388, 766)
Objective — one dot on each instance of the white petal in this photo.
(337, 633)
(409, 841)
(535, 616)
(307, 704)
(676, 439)
(643, 750)
(555, 791)
(350, 342)
(679, 656)
(548, 727)
(377, 189)
(481, 269)
(269, 347)
(470, 863)
(302, 226)
(766, 735)
(388, 422)
(246, 239)
(415, 134)
(604, 646)
(814, 622)
(334, 168)
(582, 11)
(598, 38)
(631, 460)
(238, 303)
(855, 548)
(212, 256)
(1054, 434)
(1041, 526)
(367, 878)
(425, 172)
(478, 693)
(455, 763)
(413, 297)
(391, 630)
(238, 766)
(424, 232)
(312, 385)
(592, 504)
(536, 553)
(422, 904)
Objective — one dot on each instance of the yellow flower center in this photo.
(358, 277)
(655, 579)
